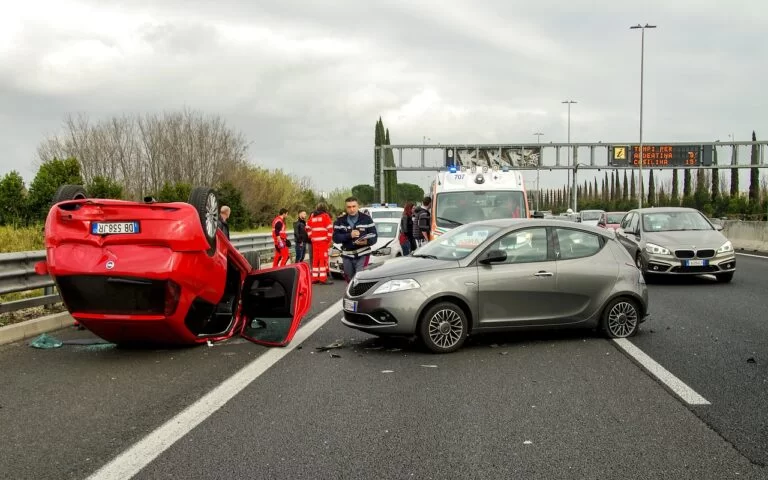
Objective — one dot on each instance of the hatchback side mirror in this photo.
(719, 228)
(493, 256)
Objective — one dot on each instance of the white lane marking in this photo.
(753, 256)
(675, 384)
(131, 461)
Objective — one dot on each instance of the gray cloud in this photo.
(307, 81)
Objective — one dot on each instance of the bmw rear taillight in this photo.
(172, 295)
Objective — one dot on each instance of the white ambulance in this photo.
(463, 195)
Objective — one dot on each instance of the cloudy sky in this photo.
(306, 81)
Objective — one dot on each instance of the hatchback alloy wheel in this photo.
(444, 327)
(621, 319)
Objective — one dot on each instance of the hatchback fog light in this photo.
(397, 286)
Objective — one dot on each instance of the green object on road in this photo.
(46, 341)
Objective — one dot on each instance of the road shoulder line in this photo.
(142, 453)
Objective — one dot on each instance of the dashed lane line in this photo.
(682, 390)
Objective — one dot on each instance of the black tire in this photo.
(69, 192)
(621, 318)
(724, 277)
(207, 205)
(253, 258)
(443, 327)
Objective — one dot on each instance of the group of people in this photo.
(415, 226)
(354, 230)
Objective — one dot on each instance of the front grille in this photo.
(684, 253)
(705, 253)
(112, 295)
(360, 288)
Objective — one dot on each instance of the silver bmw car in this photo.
(500, 275)
(677, 241)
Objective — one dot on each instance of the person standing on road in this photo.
(300, 236)
(422, 223)
(407, 242)
(280, 237)
(356, 232)
(320, 231)
(223, 217)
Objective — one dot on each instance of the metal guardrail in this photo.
(17, 271)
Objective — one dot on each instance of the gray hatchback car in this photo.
(501, 275)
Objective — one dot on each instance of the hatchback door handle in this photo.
(543, 274)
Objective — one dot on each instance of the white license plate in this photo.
(109, 228)
(695, 263)
(350, 305)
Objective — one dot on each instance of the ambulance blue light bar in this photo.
(452, 169)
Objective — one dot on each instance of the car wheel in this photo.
(207, 205)
(69, 192)
(621, 318)
(724, 277)
(253, 258)
(443, 327)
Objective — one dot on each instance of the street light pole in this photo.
(642, 68)
(569, 102)
(538, 170)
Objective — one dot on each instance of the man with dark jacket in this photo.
(422, 222)
(300, 236)
(356, 232)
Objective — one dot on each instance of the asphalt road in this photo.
(547, 405)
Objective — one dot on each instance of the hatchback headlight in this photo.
(383, 251)
(656, 249)
(397, 286)
(726, 247)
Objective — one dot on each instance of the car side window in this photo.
(576, 244)
(523, 246)
(634, 223)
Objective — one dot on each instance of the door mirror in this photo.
(719, 228)
(493, 256)
(274, 302)
(538, 214)
(601, 223)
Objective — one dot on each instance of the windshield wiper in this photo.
(449, 220)
(421, 255)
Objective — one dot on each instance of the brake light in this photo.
(172, 295)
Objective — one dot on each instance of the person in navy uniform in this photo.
(356, 232)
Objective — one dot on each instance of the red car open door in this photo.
(274, 302)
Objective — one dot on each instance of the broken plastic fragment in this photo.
(527, 442)
(46, 341)
(429, 366)
(337, 344)
(387, 371)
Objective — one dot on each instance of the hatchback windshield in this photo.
(457, 243)
(674, 222)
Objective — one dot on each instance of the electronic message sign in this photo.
(660, 156)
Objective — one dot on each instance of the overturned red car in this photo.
(150, 272)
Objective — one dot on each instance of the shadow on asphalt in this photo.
(386, 345)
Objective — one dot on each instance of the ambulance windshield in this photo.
(458, 208)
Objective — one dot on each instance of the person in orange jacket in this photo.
(320, 231)
(280, 237)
